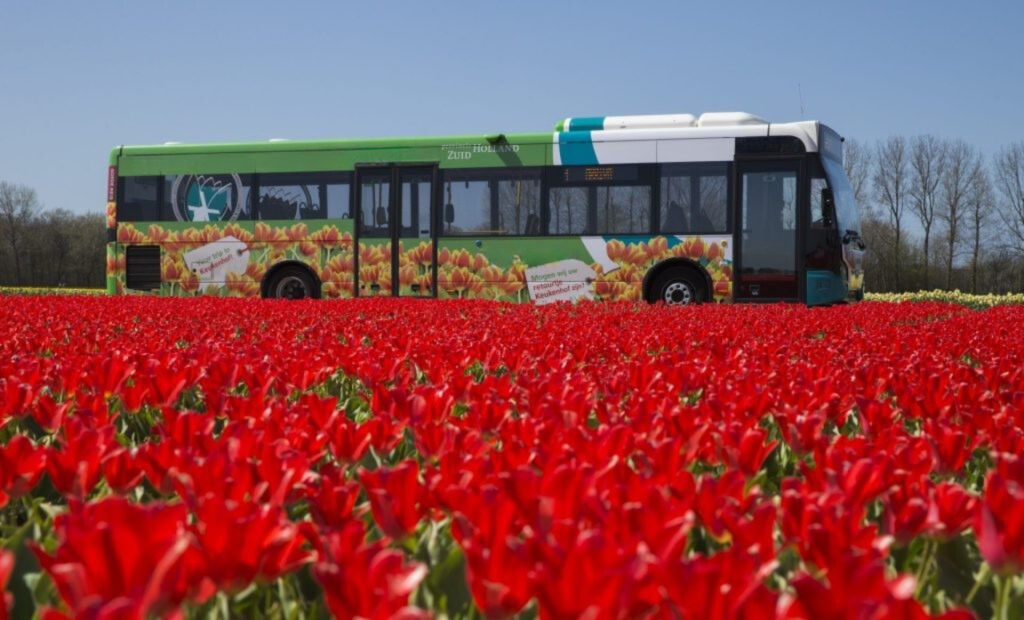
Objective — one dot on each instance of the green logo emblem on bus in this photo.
(207, 198)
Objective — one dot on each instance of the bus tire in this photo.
(291, 282)
(678, 286)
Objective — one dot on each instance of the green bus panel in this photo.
(172, 160)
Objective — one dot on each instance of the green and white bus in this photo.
(677, 209)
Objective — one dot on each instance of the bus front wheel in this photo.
(678, 287)
(290, 283)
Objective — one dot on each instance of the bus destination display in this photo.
(600, 174)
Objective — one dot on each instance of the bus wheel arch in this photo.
(287, 277)
(677, 276)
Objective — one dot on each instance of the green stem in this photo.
(923, 569)
(1002, 605)
(983, 578)
(998, 613)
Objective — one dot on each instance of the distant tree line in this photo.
(48, 247)
(937, 214)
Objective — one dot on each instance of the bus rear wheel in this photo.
(678, 287)
(290, 283)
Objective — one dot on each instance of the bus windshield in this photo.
(846, 205)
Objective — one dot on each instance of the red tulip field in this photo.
(409, 458)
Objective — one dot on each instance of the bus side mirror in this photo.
(449, 213)
(828, 206)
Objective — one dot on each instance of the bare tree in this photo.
(857, 162)
(56, 227)
(927, 167)
(890, 179)
(962, 167)
(88, 262)
(979, 216)
(18, 206)
(878, 263)
(1009, 180)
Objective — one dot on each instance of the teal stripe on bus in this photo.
(575, 148)
(586, 123)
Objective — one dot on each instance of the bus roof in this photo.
(279, 144)
(590, 129)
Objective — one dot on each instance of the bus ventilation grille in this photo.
(142, 267)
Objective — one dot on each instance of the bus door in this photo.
(768, 230)
(396, 237)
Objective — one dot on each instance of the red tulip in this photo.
(729, 584)
(159, 461)
(824, 528)
(955, 508)
(166, 382)
(323, 412)
(910, 511)
(117, 559)
(497, 569)
(122, 470)
(14, 399)
(74, 468)
(350, 441)
(753, 450)
(725, 494)
(6, 568)
(240, 542)
(999, 520)
(854, 588)
(581, 575)
(335, 499)
(864, 480)
(857, 588)
(953, 446)
(396, 497)
(284, 469)
(49, 414)
(108, 373)
(21, 465)
(366, 580)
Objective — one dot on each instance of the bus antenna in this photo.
(800, 92)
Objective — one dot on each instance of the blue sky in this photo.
(80, 78)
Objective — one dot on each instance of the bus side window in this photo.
(139, 200)
(694, 198)
(713, 193)
(817, 217)
(469, 194)
(623, 210)
(490, 202)
(519, 203)
(288, 197)
(338, 197)
(675, 200)
(303, 196)
(568, 206)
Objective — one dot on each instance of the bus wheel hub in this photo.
(678, 294)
